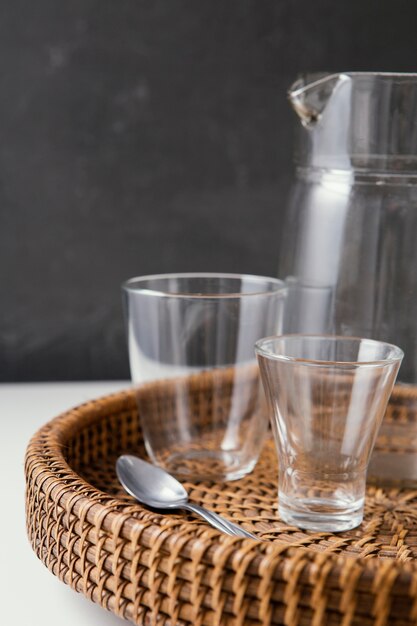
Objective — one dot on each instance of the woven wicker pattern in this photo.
(175, 570)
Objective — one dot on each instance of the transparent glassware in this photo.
(349, 247)
(349, 255)
(327, 397)
(192, 361)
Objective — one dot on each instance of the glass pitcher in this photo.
(349, 253)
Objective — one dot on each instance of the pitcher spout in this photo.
(310, 94)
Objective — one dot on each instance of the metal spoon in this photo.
(154, 487)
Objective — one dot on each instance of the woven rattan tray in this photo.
(175, 570)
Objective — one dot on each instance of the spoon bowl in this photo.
(150, 484)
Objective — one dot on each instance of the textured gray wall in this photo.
(141, 137)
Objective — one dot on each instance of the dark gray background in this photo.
(142, 137)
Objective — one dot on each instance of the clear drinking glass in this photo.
(192, 362)
(327, 397)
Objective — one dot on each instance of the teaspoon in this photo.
(153, 486)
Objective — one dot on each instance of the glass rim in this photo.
(361, 73)
(132, 285)
(397, 353)
(298, 86)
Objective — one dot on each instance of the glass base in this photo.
(321, 515)
(195, 465)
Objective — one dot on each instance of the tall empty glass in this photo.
(327, 397)
(191, 340)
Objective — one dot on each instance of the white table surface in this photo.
(30, 595)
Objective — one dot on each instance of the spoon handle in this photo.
(218, 522)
